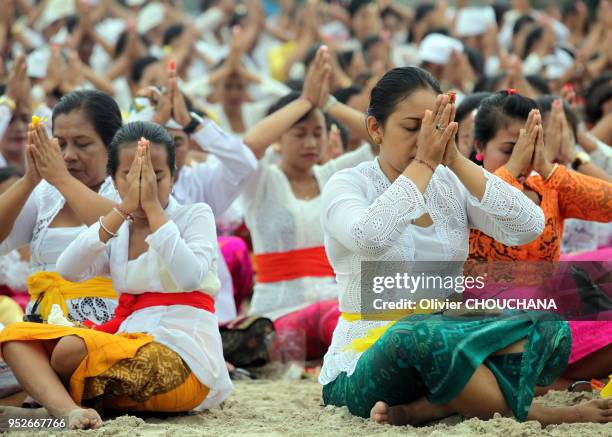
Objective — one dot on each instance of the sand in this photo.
(293, 408)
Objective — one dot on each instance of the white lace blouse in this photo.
(182, 256)
(279, 222)
(367, 218)
(46, 244)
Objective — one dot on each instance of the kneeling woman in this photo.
(417, 202)
(165, 354)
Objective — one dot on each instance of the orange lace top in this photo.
(567, 194)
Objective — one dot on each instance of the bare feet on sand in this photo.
(408, 414)
(78, 418)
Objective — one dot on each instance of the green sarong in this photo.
(436, 355)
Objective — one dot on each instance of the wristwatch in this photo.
(195, 121)
(8, 102)
(581, 159)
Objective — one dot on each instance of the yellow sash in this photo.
(364, 343)
(607, 390)
(57, 290)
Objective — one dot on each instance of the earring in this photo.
(478, 156)
(377, 140)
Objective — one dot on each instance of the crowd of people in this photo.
(188, 189)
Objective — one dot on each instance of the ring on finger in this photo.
(439, 127)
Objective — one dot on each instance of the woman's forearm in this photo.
(87, 204)
(11, 204)
(274, 125)
(471, 175)
(351, 119)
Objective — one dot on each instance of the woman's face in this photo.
(84, 152)
(399, 134)
(366, 21)
(159, 159)
(181, 142)
(302, 144)
(465, 135)
(15, 137)
(498, 150)
(233, 91)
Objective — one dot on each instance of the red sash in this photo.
(284, 266)
(129, 303)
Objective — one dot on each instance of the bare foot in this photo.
(397, 415)
(84, 418)
(23, 412)
(595, 411)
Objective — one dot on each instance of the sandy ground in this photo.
(293, 408)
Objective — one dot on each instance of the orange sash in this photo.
(294, 264)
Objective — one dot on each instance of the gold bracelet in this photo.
(552, 172)
(113, 235)
(425, 163)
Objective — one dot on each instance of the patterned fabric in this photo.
(122, 371)
(566, 194)
(435, 356)
(154, 370)
(366, 217)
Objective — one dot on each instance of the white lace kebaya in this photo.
(367, 218)
(47, 243)
(280, 222)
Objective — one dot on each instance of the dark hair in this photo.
(369, 42)
(595, 100)
(329, 121)
(345, 58)
(311, 54)
(468, 104)
(9, 172)
(396, 85)
(475, 59)
(284, 101)
(356, 6)
(496, 111)
(343, 95)
(422, 10)
(139, 67)
(134, 131)
(538, 83)
(545, 104)
(531, 39)
(122, 42)
(172, 33)
(500, 8)
(521, 22)
(100, 109)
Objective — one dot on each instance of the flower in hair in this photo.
(511, 91)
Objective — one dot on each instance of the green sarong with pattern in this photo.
(436, 355)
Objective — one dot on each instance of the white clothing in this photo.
(279, 222)
(367, 218)
(182, 256)
(217, 183)
(13, 271)
(47, 243)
